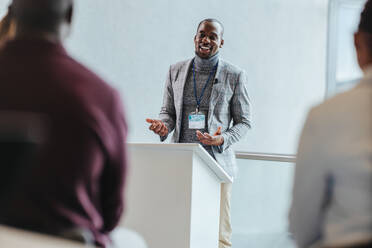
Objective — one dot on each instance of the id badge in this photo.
(196, 120)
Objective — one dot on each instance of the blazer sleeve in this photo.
(240, 109)
(168, 110)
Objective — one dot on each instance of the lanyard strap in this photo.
(198, 101)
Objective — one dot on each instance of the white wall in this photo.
(281, 44)
(3, 6)
(260, 204)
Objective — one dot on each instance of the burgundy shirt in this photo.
(79, 178)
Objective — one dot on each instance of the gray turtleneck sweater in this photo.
(203, 68)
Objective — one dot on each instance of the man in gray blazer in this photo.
(332, 192)
(202, 96)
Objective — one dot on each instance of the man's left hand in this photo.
(207, 139)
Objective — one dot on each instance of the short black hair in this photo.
(212, 20)
(365, 24)
(45, 15)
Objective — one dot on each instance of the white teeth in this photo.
(204, 47)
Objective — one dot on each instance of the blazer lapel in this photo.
(218, 84)
(179, 90)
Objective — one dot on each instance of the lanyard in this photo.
(198, 101)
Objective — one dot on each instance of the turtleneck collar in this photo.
(206, 64)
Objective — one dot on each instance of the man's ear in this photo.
(10, 10)
(222, 42)
(356, 40)
(69, 14)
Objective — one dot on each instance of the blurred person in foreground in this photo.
(78, 180)
(332, 192)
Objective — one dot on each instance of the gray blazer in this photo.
(229, 101)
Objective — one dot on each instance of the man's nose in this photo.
(206, 39)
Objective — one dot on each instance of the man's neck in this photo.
(38, 34)
(206, 64)
(367, 71)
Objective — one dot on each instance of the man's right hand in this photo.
(158, 127)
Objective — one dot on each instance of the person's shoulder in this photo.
(336, 102)
(180, 64)
(230, 67)
(341, 106)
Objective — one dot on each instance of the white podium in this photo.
(173, 195)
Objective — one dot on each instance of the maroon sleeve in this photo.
(114, 173)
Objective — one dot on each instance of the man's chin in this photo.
(204, 55)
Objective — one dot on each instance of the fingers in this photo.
(163, 131)
(157, 127)
(152, 126)
(199, 135)
(208, 136)
(208, 139)
(205, 138)
(218, 132)
(152, 122)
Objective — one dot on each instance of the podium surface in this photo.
(173, 195)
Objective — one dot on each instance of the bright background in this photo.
(295, 52)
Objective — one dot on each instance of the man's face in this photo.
(208, 40)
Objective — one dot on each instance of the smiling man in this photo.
(202, 96)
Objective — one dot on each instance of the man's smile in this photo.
(205, 48)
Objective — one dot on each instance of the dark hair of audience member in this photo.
(365, 24)
(42, 15)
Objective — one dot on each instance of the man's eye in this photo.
(201, 35)
(212, 37)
